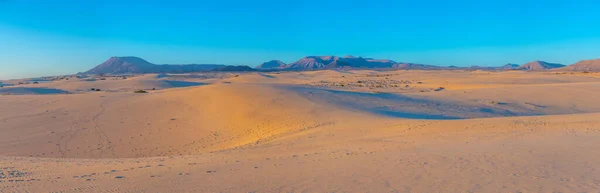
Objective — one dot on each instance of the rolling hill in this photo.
(130, 64)
(539, 65)
(584, 65)
(273, 64)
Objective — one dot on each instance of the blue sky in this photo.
(40, 37)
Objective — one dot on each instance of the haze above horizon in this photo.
(40, 38)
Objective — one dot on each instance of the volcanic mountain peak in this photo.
(240, 68)
(539, 65)
(273, 64)
(128, 64)
(584, 65)
(312, 62)
(510, 66)
(131, 64)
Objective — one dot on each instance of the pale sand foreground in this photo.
(305, 132)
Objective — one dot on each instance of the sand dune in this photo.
(28, 91)
(318, 131)
(120, 84)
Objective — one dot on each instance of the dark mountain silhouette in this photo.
(377, 63)
(584, 65)
(235, 69)
(312, 62)
(273, 64)
(503, 67)
(325, 62)
(123, 65)
(349, 62)
(416, 66)
(509, 66)
(130, 64)
(539, 65)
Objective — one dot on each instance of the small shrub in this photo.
(140, 91)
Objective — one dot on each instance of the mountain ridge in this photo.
(132, 64)
(539, 65)
(583, 65)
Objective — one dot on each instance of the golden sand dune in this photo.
(195, 120)
(319, 131)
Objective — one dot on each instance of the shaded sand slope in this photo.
(112, 84)
(414, 107)
(30, 91)
(546, 99)
(516, 100)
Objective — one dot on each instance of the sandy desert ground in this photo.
(316, 131)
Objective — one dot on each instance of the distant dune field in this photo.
(309, 131)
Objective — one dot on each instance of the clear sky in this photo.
(42, 37)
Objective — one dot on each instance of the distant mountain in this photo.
(235, 69)
(415, 66)
(120, 65)
(584, 65)
(509, 66)
(185, 68)
(123, 65)
(273, 64)
(476, 67)
(130, 64)
(539, 65)
(377, 63)
(312, 62)
(503, 67)
(326, 62)
(350, 62)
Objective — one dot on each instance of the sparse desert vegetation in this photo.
(250, 128)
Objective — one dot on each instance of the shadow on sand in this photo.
(178, 84)
(3, 84)
(266, 75)
(402, 106)
(28, 91)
